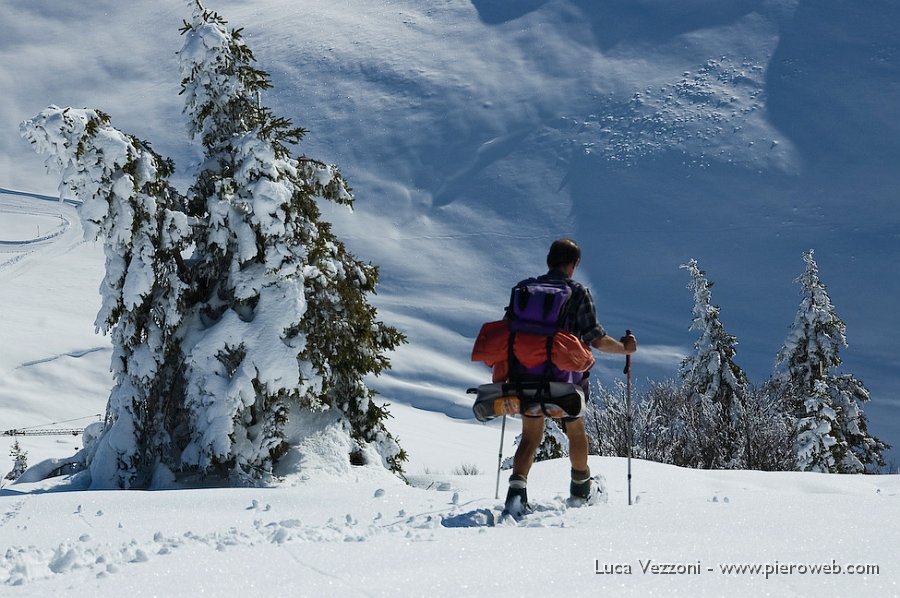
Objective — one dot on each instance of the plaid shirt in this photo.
(582, 312)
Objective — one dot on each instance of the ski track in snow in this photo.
(23, 203)
(63, 227)
(29, 194)
(341, 580)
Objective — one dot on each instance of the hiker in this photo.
(581, 321)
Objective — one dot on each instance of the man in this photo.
(562, 259)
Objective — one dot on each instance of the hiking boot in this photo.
(580, 489)
(585, 490)
(516, 498)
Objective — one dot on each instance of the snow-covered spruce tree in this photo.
(714, 384)
(130, 206)
(832, 431)
(20, 461)
(280, 316)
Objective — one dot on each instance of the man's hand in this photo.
(608, 344)
(629, 343)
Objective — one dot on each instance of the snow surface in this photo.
(473, 133)
(367, 534)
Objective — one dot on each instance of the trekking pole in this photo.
(500, 457)
(628, 413)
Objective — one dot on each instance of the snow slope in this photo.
(740, 133)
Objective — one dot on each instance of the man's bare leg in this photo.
(578, 444)
(532, 434)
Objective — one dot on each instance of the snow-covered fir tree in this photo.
(714, 384)
(281, 315)
(268, 319)
(20, 461)
(832, 431)
(130, 206)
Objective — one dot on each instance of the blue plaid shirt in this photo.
(582, 312)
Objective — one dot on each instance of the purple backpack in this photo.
(540, 307)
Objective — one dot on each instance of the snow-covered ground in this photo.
(740, 133)
(367, 534)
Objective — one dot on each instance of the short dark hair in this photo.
(562, 253)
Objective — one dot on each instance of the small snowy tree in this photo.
(131, 207)
(715, 384)
(865, 451)
(832, 431)
(664, 426)
(20, 461)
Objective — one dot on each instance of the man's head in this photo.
(563, 253)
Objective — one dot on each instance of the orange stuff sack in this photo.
(492, 346)
(492, 343)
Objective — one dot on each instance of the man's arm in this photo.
(608, 344)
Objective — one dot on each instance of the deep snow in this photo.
(367, 534)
